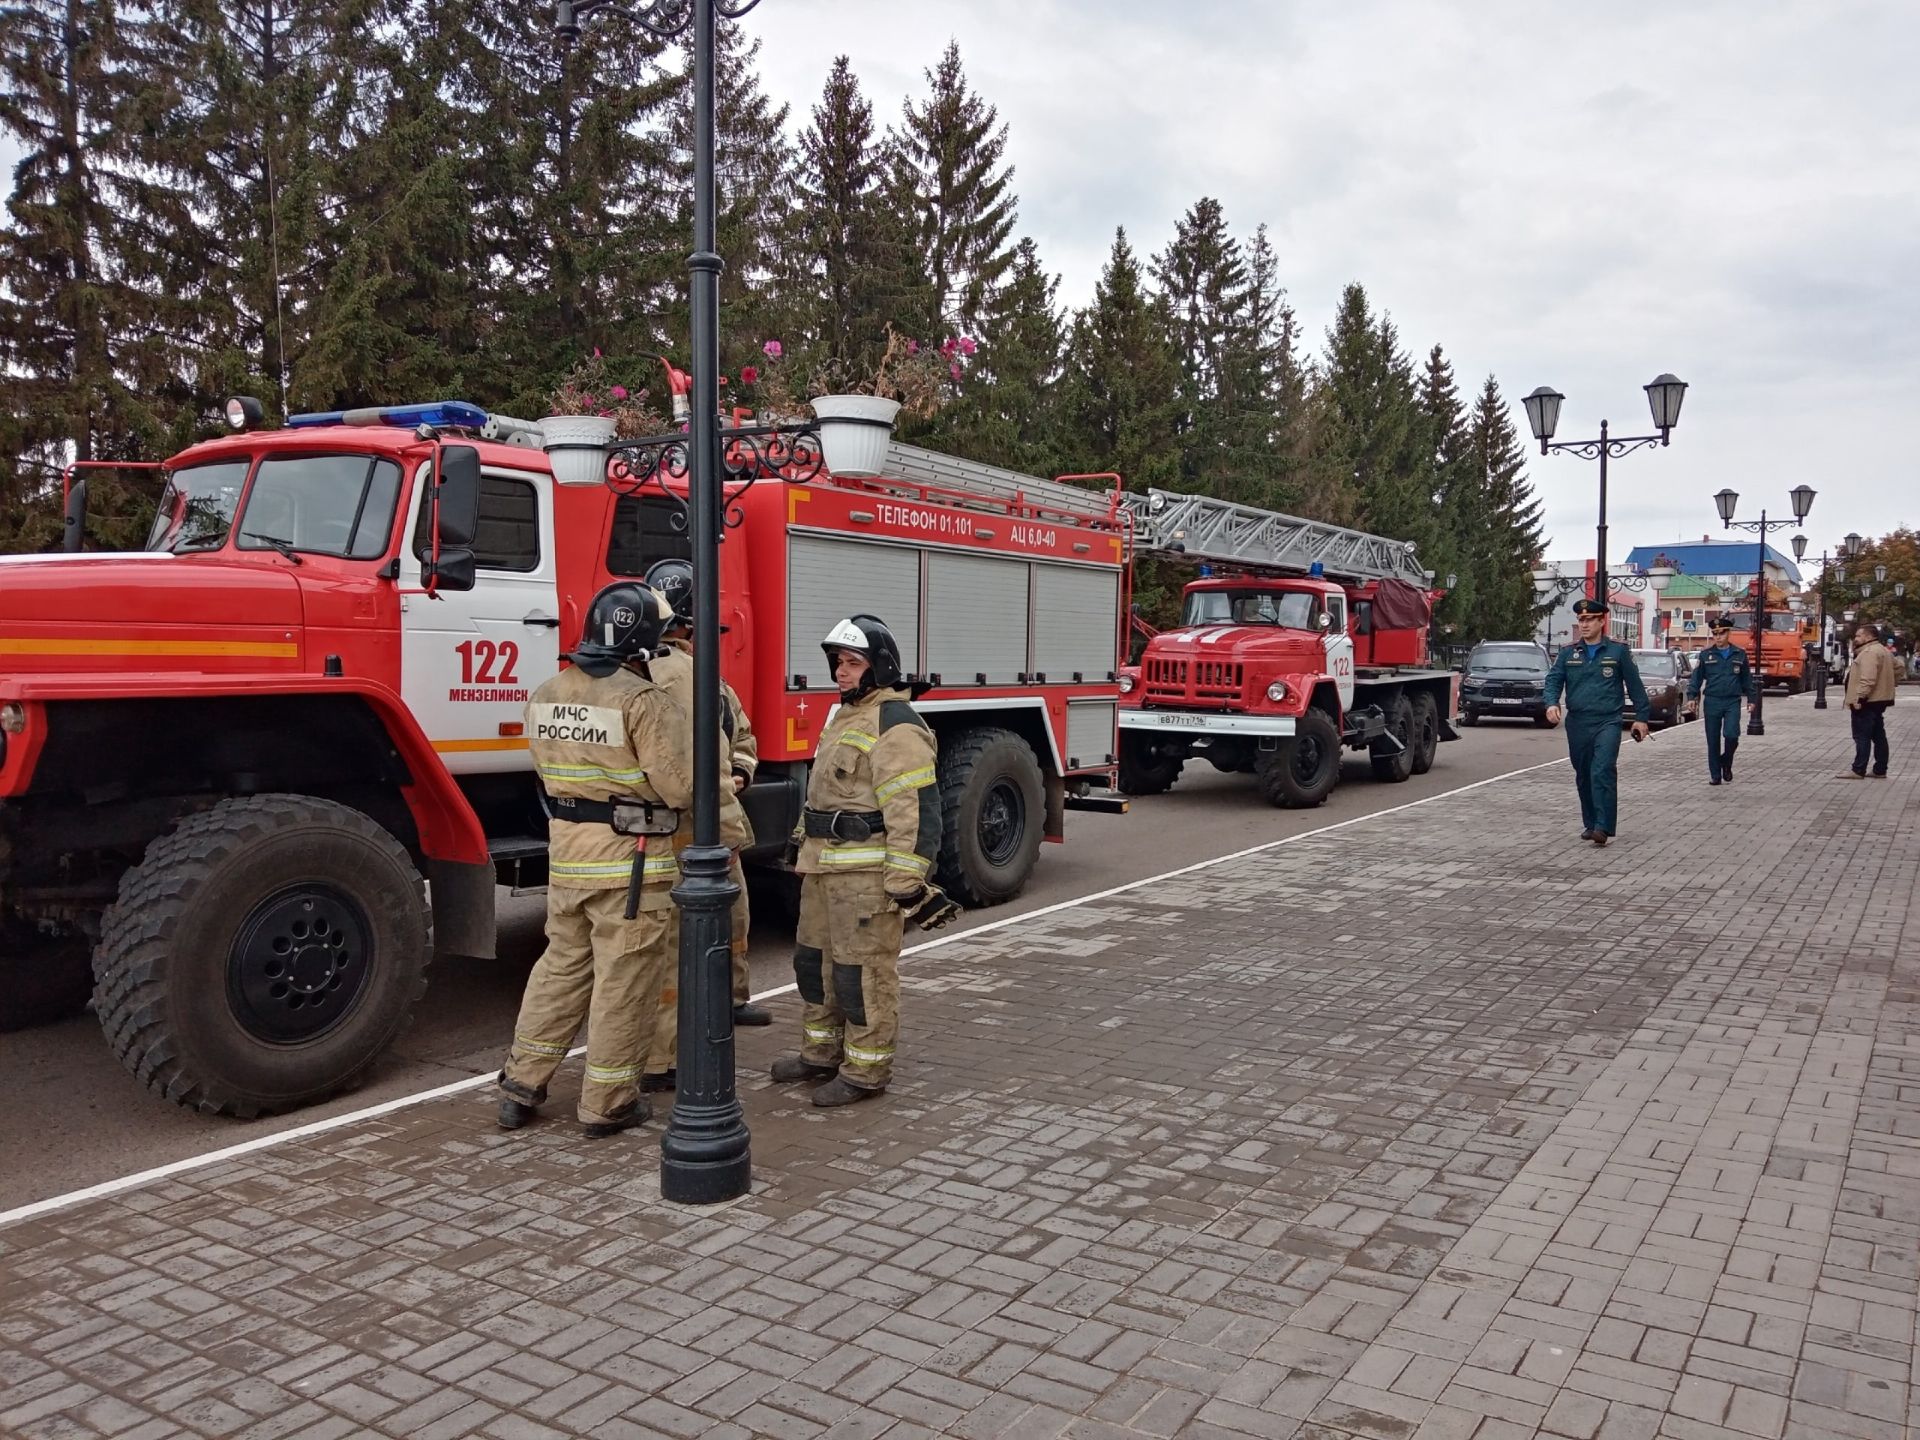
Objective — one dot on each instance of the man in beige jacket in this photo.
(1870, 681)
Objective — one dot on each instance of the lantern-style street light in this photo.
(1801, 498)
(1664, 394)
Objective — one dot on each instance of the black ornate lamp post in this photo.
(1820, 649)
(704, 1151)
(1801, 497)
(1664, 394)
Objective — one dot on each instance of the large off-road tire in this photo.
(43, 978)
(262, 955)
(1426, 733)
(1302, 770)
(993, 809)
(1143, 769)
(1393, 769)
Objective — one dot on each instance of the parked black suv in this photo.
(1506, 680)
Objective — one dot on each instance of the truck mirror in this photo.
(454, 570)
(456, 497)
(74, 538)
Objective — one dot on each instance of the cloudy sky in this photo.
(1575, 195)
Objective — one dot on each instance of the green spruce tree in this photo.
(858, 264)
(1005, 413)
(92, 308)
(1506, 606)
(1202, 278)
(1454, 491)
(950, 178)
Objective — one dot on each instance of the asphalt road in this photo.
(74, 1118)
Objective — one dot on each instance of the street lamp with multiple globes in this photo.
(1664, 394)
(704, 1152)
(1801, 497)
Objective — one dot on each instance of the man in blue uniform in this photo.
(1725, 676)
(1591, 673)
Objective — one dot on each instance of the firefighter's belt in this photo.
(624, 814)
(853, 825)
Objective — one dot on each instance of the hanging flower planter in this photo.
(576, 445)
(855, 431)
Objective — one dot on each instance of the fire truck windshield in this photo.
(196, 508)
(1292, 610)
(328, 504)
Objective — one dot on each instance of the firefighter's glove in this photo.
(928, 907)
(790, 856)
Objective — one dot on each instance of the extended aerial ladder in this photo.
(1168, 522)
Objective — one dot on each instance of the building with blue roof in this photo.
(1727, 563)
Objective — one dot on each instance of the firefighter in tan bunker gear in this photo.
(865, 849)
(614, 755)
(672, 670)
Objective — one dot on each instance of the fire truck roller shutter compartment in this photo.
(1074, 610)
(1090, 733)
(830, 579)
(976, 619)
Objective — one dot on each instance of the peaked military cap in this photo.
(1588, 607)
(1723, 623)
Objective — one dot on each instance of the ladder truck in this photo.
(1299, 641)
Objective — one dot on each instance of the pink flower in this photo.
(596, 352)
(749, 375)
(590, 400)
(618, 392)
(772, 349)
(967, 347)
(913, 347)
(948, 346)
(955, 369)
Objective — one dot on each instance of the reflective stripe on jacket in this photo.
(596, 738)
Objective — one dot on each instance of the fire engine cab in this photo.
(261, 770)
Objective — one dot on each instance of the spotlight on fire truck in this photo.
(244, 412)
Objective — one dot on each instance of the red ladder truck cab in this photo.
(1290, 658)
(261, 771)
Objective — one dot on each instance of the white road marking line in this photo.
(440, 1092)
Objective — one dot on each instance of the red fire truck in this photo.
(1299, 640)
(260, 771)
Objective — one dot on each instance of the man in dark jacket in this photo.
(1591, 673)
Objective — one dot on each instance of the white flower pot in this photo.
(855, 431)
(576, 445)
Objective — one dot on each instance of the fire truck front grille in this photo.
(1214, 682)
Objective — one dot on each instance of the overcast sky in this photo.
(1580, 196)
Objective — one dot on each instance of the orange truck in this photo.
(1783, 636)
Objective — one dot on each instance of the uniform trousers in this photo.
(1593, 744)
(846, 962)
(602, 968)
(1721, 720)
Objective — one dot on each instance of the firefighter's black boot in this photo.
(515, 1113)
(639, 1114)
(789, 1068)
(747, 1013)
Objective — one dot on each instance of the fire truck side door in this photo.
(469, 659)
(1339, 651)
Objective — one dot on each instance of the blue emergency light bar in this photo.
(442, 414)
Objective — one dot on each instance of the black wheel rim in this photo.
(1307, 758)
(1003, 822)
(299, 962)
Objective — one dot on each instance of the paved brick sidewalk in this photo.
(1440, 1124)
